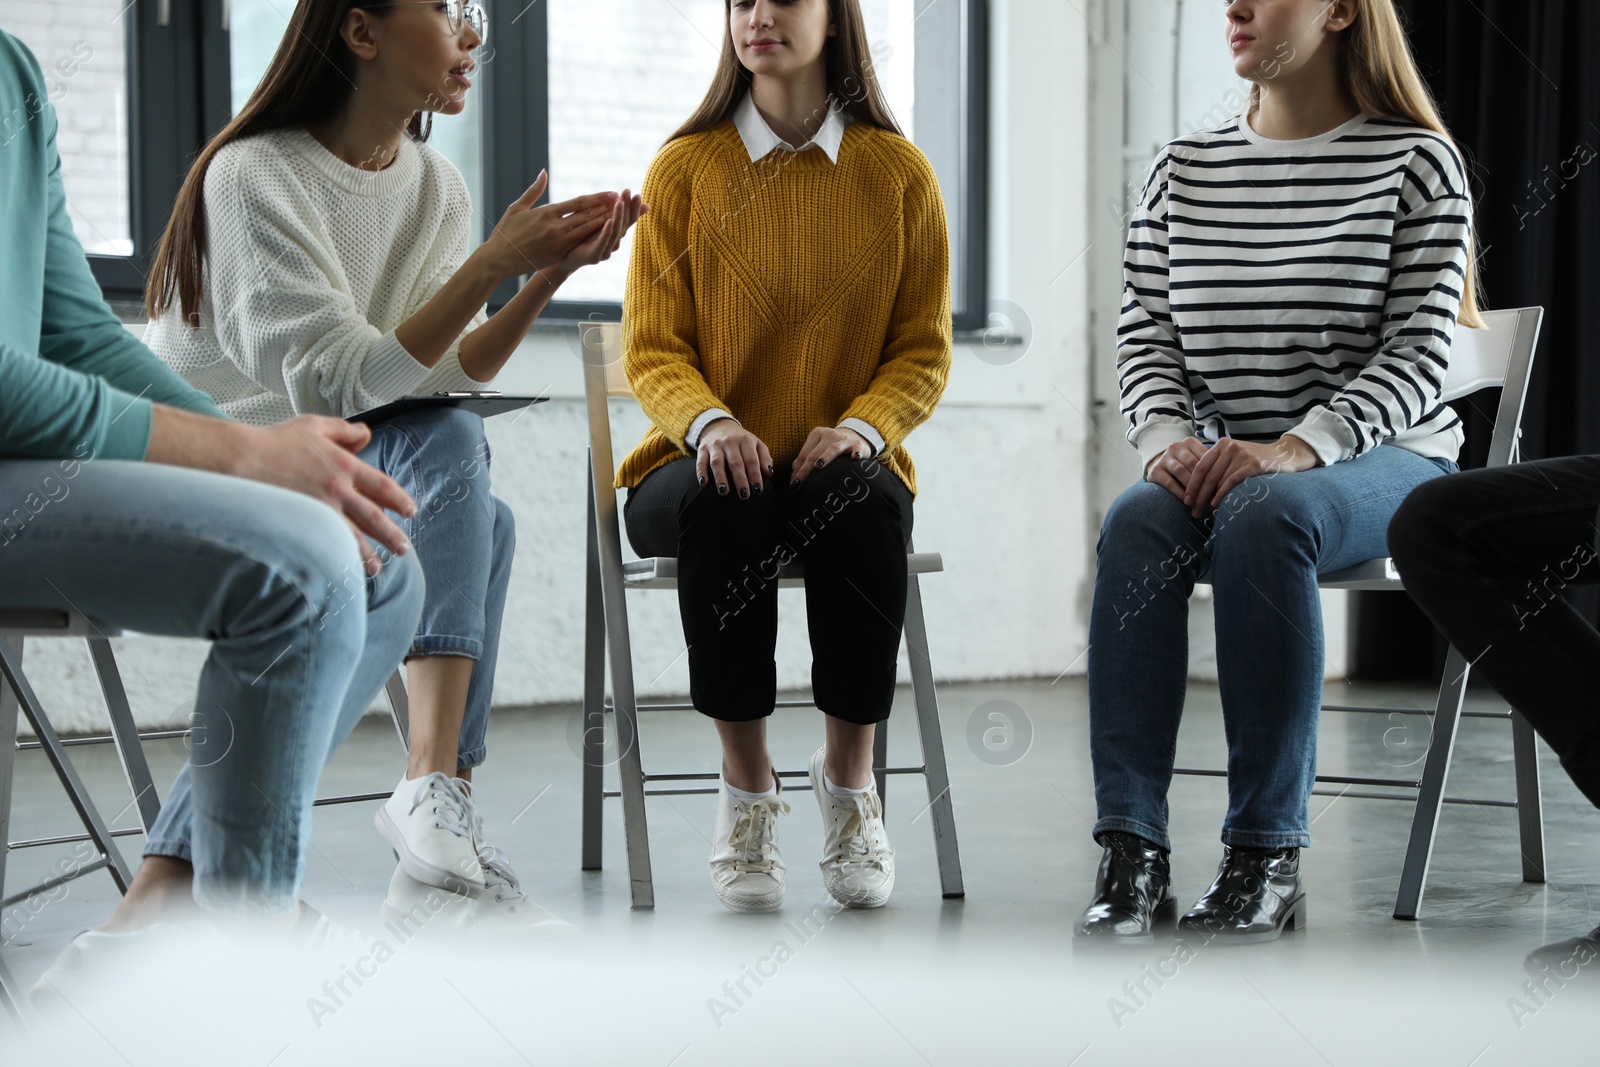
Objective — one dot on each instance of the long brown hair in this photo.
(852, 80)
(1380, 74)
(309, 79)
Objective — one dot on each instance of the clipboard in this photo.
(484, 405)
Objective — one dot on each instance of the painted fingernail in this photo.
(771, 469)
(702, 481)
(722, 489)
(793, 482)
(744, 494)
(821, 463)
(758, 490)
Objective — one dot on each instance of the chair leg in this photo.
(9, 998)
(399, 706)
(88, 814)
(125, 735)
(630, 767)
(1430, 792)
(594, 693)
(1530, 821)
(940, 809)
(880, 760)
(8, 762)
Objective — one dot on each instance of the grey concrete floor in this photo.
(991, 978)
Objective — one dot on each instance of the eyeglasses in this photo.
(460, 15)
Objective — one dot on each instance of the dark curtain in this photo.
(1518, 85)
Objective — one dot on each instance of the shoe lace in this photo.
(452, 810)
(499, 876)
(752, 834)
(858, 841)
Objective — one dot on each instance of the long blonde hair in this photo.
(1380, 74)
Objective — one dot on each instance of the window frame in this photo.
(178, 55)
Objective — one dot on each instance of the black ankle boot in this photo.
(1132, 891)
(1256, 895)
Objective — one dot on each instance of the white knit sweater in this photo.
(311, 264)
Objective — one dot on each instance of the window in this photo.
(256, 29)
(588, 90)
(623, 76)
(82, 48)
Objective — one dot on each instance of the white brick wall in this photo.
(82, 50)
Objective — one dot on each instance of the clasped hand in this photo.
(1201, 476)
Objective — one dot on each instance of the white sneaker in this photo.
(411, 909)
(95, 961)
(429, 823)
(857, 862)
(746, 870)
(503, 908)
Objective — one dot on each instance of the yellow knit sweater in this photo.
(792, 292)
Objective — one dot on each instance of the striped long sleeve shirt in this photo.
(1303, 287)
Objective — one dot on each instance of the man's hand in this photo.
(311, 455)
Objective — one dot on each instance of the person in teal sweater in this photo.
(124, 495)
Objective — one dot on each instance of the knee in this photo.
(454, 440)
(1262, 517)
(1419, 526)
(313, 573)
(1141, 512)
(731, 511)
(856, 490)
(505, 527)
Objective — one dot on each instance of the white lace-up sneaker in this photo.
(746, 870)
(429, 823)
(503, 908)
(857, 862)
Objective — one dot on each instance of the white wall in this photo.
(1002, 465)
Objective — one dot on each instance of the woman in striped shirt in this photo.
(1292, 282)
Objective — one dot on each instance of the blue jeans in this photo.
(463, 537)
(301, 641)
(1263, 548)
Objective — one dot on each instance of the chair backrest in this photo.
(603, 378)
(1499, 355)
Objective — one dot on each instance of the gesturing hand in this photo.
(599, 248)
(732, 455)
(531, 239)
(1229, 462)
(317, 456)
(824, 445)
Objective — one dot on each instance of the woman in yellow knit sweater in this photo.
(787, 324)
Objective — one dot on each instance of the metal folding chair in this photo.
(15, 628)
(606, 630)
(1498, 356)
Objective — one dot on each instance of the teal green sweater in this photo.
(73, 380)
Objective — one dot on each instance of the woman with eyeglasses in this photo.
(786, 325)
(317, 261)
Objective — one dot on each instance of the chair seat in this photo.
(661, 572)
(49, 622)
(1371, 575)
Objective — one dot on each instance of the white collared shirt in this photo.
(760, 141)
